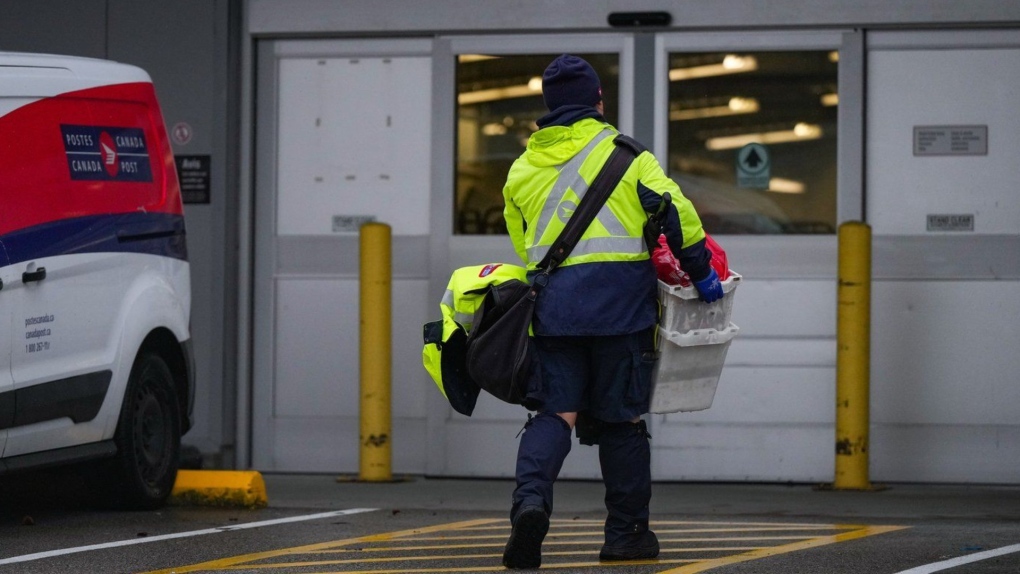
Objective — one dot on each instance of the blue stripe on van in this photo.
(137, 232)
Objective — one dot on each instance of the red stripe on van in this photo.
(36, 183)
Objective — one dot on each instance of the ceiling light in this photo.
(494, 129)
(734, 107)
(800, 132)
(830, 100)
(834, 56)
(532, 88)
(734, 62)
(807, 131)
(468, 58)
(783, 185)
(731, 64)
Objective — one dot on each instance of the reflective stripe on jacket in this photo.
(464, 294)
(467, 287)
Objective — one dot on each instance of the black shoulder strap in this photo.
(598, 192)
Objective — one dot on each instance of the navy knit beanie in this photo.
(570, 80)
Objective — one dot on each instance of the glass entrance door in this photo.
(751, 126)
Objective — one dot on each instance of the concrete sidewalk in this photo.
(895, 502)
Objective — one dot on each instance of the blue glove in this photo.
(709, 288)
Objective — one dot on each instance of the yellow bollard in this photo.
(853, 357)
(375, 311)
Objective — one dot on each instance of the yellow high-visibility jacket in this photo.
(607, 284)
(443, 353)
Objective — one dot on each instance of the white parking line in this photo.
(245, 526)
(954, 562)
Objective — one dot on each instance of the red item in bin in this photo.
(668, 268)
(719, 261)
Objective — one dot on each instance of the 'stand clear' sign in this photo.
(950, 222)
(350, 223)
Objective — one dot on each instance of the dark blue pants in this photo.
(540, 455)
(625, 458)
(609, 379)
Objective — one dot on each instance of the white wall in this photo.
(944, 332)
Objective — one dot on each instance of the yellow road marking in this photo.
(544, 544)
(499, 568)
(599, 533)
(393, 542)
(561, 543)
(861, 532)
(226, 563)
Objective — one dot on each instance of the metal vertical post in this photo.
(853, 356)
(375, 353)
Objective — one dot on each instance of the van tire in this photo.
(148, 437)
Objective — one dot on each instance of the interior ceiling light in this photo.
(800, 132)
(532, 88)
(734, 107)
(731, 64)
(494, 129)
(830, 100)
(468, 58)
(783, 185)
(834, 56)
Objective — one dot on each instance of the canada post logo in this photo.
(98, 153)
(489, 269)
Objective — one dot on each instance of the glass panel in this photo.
(499, 99)
(783, 101)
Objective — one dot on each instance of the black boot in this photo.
(524, 549)
(544, 446)
(625, 457)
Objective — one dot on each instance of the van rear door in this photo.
(83, 210)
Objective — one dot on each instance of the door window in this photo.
(499, 99)
(752, 139)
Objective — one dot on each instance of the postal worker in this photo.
(595, 320)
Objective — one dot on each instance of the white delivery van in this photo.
(95, 357)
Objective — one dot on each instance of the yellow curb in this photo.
(244, 488)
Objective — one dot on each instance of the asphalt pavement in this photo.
(319, 524)
(749, 500)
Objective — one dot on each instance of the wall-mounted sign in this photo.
(950, 140)
(350, 223)
(753, 166)
(181, 133)
(193, 174)
(950, 222)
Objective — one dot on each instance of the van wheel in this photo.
(148, 437)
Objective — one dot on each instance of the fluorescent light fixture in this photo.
(830, 100)
(731, 64)
(494, 129)
(532, 88)
(734, 107)
(783, 185)
(468, 58)
(800, 132)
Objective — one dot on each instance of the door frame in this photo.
(451, 251)
(264, 296)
